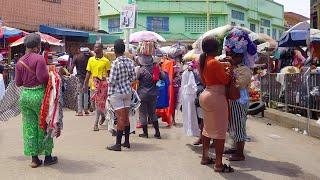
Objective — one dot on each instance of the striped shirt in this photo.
(122, 75)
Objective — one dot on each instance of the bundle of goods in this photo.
(177, 50)
(147, 48)
(254, 94)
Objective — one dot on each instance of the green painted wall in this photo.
(178, 11)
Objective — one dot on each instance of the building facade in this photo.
(29, 14)
(292, 19)
(187, 19)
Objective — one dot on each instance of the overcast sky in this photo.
(298, 6)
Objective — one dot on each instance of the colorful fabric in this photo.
(163, 93)
(100, 94)
(122, 75)
(35, 142)
(238, 41)
(237, 124)
(10, 103)
(166, 114)
(147, 48)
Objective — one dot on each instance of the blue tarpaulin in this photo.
(62, 31)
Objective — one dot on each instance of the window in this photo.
(199, 24)
(265, 23)
(280, 33)
(269, 32)
(233, 23)
(242, 25)
(53, 1)
(274, 34)
(114, 25)
(262, 30)
(158, 24)
(253, 27)
(237, 15)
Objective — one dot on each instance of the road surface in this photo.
(273, 153)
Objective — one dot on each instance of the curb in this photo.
(292, 121)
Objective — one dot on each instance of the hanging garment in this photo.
(10, 102)
(188, 96)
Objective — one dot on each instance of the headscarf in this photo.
(238, 41)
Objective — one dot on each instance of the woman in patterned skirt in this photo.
(32, 74)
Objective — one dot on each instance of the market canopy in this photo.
(296, 36)
(10, 34)
(44, 38)
(59, 31)
(105, 38)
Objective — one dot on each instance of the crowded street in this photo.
(272, 153)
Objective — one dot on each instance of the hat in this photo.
(145, 60)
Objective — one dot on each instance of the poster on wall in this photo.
(128, 17)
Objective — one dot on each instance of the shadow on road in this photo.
(252, 164)
(143, 147)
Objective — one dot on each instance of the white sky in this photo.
(298, 6)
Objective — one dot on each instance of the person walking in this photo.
(98, 68)
(148, 75)
(122, 75)
(80, 61)
(214, 103)
(32, 74)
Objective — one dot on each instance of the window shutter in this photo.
(149, 23)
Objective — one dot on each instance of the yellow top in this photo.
(98, 67)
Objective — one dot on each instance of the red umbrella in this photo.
(44, 38)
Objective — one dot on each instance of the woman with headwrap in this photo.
(241, 53)
(214, 103)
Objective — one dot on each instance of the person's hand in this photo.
(228, 59)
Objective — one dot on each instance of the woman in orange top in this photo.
(214, 103)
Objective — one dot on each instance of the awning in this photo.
(62, 31)
(105, 38)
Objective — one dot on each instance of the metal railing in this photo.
(292, 91)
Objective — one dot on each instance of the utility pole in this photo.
(127, 33)
(208, 15)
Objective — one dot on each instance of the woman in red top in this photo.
(214, 103)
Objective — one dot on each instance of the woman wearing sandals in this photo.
(122, 75)
(242, 53)
(214, 103)
(32, 74)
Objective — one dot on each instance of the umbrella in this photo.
(296, 36)
(7, 32)
(314, 35)
(44, 38)
(146, 36)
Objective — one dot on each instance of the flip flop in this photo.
(36, 164)
(224, 169)
(79, 114)
(208, 162)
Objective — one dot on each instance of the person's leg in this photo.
(120, 128)
(199, 141)
(152, 114)
(80, 97)
(205, 151)
(96, 126)
(86, 103)
(143, 119)
(126, 129)
(219, 147)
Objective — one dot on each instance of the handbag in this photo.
(232, 92)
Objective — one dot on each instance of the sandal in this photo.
(224, 169)
(208, 161)
(198, 142)
(79, 114)
(36, 164)
(236, 158)
(51, 161)
(103, 119)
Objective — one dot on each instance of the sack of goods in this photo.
(147, 48)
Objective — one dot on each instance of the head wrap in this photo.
(238, 41)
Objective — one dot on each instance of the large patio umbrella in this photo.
(9, 35)
(44, 38)
(146, 36)
(296, 36)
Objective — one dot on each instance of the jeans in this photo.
(147, 110)
(82, 96)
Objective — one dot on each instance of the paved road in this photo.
(273, 153)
